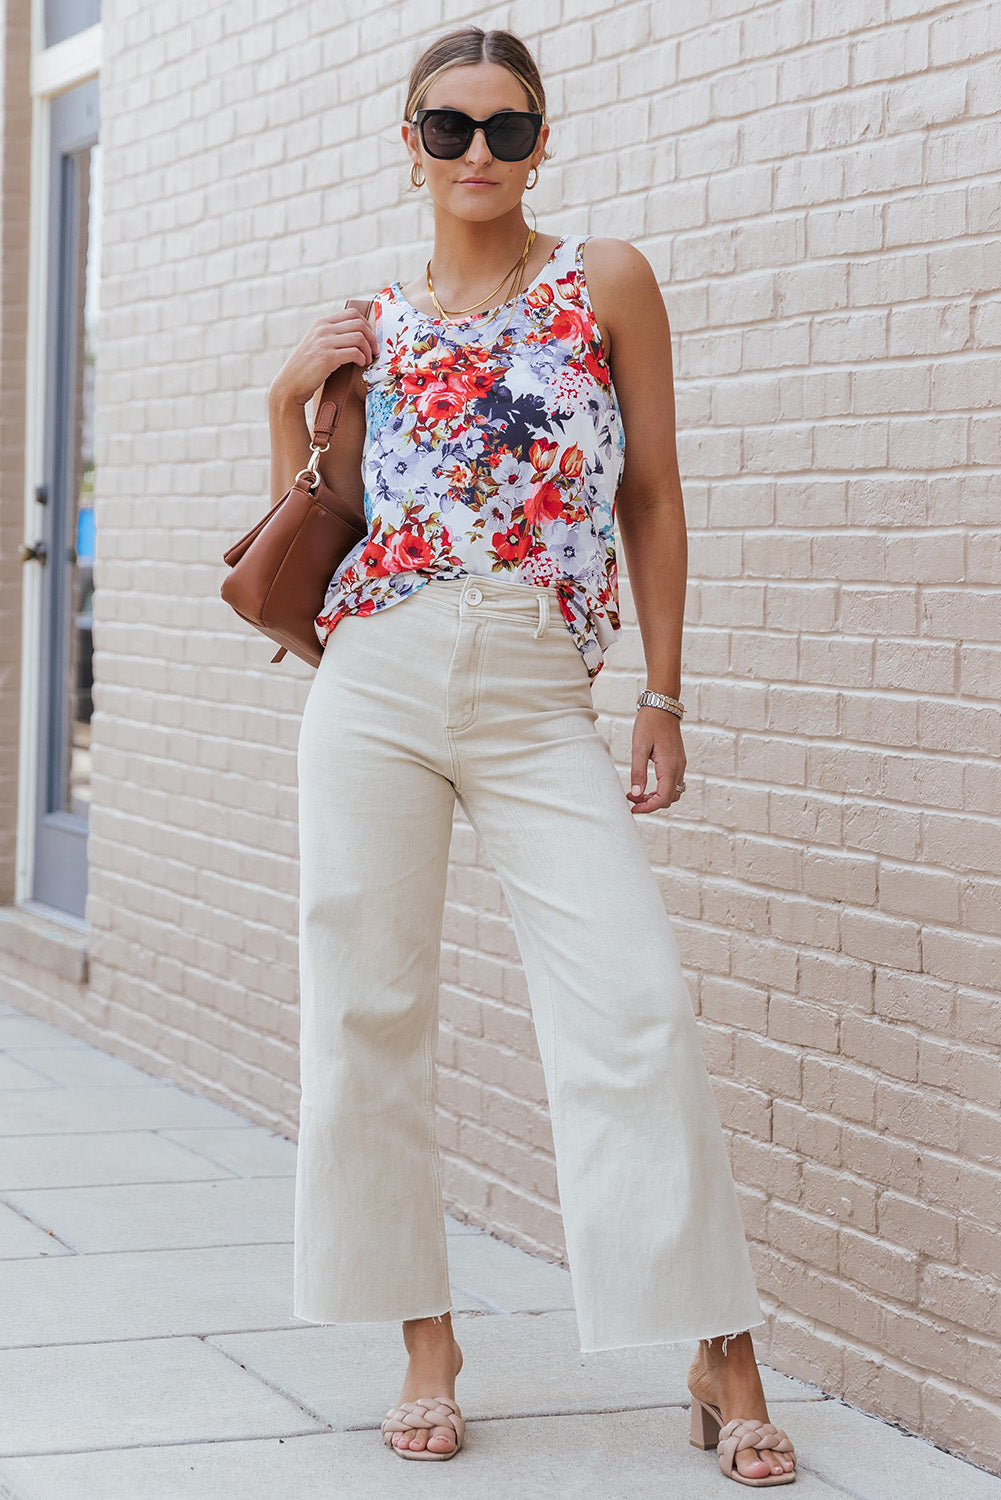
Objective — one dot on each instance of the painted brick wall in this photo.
(817, 187)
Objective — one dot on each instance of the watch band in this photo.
(661, 700)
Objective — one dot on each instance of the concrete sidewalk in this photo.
(147, 1345)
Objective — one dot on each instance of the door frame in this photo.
(53, 70)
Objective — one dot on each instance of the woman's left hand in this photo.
(656, 737)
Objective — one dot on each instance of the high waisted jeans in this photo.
(473, 688)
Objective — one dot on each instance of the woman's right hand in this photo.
(338, 338)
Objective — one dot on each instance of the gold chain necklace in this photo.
(518, 266)
(514, 298)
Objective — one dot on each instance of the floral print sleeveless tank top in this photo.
(491, 454)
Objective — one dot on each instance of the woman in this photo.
(503, 401)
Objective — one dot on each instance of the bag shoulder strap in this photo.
(336, 387)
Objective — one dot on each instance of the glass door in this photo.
(65, 544)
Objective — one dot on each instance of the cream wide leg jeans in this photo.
(473, 688)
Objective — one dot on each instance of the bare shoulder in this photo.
(614, 267)
(621, 284)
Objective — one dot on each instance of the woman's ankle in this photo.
(731, 1346)
(423, 1333)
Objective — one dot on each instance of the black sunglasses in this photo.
(446, 133)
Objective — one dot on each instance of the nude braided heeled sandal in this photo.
(426, 1411)
(709, 1431)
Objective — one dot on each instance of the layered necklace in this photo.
(518, 269)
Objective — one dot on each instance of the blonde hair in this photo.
(470, 44)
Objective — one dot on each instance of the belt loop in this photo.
(543, 624)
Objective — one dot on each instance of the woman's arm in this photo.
(339, 338)
(289, 441)
(649, 509)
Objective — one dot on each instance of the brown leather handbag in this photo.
(280, 571)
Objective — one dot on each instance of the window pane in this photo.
(65, 18)
(81, 536)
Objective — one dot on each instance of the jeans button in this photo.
(473, 596)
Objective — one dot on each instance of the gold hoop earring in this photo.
(532, 184)
(416, 167)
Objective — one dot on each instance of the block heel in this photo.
(704, 1427)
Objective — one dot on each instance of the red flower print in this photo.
(413, 382)
(474, 383)
(544, 503)
(572, 462)
(371, 557)
(542, 296)
(571, 289)
(468, 371)
(430, 370)
(541, 454)
(408, 550)
(438, 403)
(511, 545)
(596, 368)
(570, 326)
